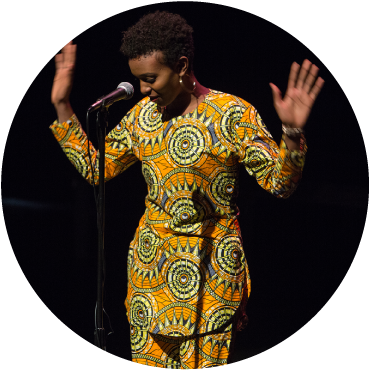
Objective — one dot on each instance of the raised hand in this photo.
(303, 88)
(63, 81)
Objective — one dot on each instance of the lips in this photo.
(153, 98)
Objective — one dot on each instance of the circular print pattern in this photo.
(149, 121)
(186, 145)
(224, 188)
(187, 214)
(141, 311)
(173, 360)
(138, 338)
(184, 279)
(229, 256)
(225, 128)
(219, 317)
(256, 159)
(151, 179)
(78, 160)
(262, 125)
(120, 132)
(147, 246)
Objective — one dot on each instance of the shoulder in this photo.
(141, 109)
(127, 122)
(143, 104)
(230, 105)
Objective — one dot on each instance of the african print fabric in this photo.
(187, 352)
(187, 272)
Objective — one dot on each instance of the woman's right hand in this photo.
(63, 81)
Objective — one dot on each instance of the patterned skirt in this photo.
(187, 352)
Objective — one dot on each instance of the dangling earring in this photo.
(185, 88)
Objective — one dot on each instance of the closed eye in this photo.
(146, 80)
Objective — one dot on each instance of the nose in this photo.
(145, 89)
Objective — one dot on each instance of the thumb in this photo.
(276, 94)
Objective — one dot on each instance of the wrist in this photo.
(64, 111)
(62, 104)
(292, 132)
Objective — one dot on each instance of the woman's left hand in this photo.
(303, 88)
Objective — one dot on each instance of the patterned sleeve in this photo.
(118, 148)
(277, 169)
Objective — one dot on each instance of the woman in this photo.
(188, 280)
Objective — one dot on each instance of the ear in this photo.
(182, 66)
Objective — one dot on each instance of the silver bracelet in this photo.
(292, 131)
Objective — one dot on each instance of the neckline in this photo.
(196, 108)
(187, 114)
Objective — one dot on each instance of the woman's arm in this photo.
(64, 111)
(63, 80)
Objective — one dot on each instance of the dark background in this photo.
(298, 250)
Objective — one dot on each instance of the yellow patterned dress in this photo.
(187, 273)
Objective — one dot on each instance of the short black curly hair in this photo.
(160, 31)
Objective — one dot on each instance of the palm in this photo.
(303, 88)
(64, 69)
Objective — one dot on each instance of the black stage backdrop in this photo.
(298, 250)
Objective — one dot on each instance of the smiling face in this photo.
(157, 80)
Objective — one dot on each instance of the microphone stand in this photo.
(123, 91)
(99, 333)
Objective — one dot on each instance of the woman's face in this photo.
(158, 81)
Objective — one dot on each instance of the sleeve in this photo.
(276, 169)
(118, 148)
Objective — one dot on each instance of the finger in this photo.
(74, 54)
(67, 52)
(293, 75)
(311, 78)
(70, 55)
(276, 94)
(58, 61)
(69, 43)
(303, 73)
(316, 88)
(65, 47)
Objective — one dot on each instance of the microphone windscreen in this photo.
(128, 87)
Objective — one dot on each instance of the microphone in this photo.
(124, 91)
